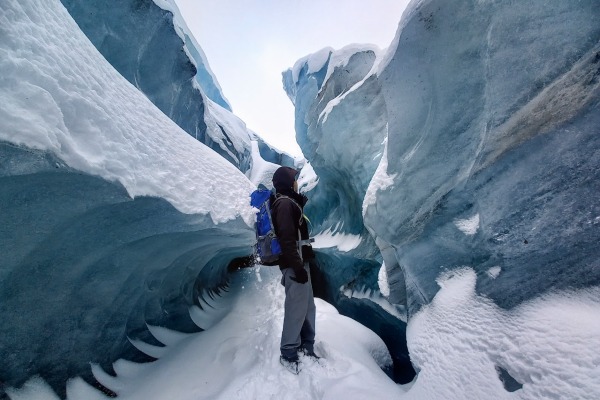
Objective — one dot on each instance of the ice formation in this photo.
(452, 180)
(149, 44)
(109, 218)
(486, 158)
(500, 145)
(471, 142)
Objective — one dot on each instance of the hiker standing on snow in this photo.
(292, 231)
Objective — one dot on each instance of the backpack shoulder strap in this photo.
(281, 196)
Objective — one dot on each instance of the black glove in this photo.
(307, 253)
(301, 275)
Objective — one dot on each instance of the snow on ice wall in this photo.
(483, 120)
(492, 153)
(108, 219)
(153, 49)
(340, 121)
(337, 131)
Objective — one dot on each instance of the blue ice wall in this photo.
(493, 116)
(344, 144)
(268, 153)
(335, 269)
(139, 40)
(84, 267)
(491, 113)
(344, 147)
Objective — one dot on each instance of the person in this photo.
(291, 228)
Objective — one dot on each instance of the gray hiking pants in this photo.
(299, 318)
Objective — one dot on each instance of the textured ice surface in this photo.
(65, 98)
(487, 157)
(85, 267)
(205, 77)
(344, 149)
(88, 258)
(341, 127)
(153, 49)
(483, 118)
(262, 171)
(493, 111)
(239, 357)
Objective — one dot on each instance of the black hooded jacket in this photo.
(287, 208)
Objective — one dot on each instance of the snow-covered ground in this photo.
(459, 343)
(238, 357)
(548, 344)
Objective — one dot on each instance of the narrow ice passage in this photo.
(238, 357)
(462, 344)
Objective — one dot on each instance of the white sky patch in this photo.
(250, 43)
(331, 238)
(468, 226)
(380, 181)
(67, 99)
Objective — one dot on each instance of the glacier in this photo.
(109, 222)
(478, 148)
(470, 153)
(452, 178)
(480, 133)
(343, 136)
(132, 35)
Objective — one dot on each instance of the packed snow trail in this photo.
(238, 357)
(458, 343)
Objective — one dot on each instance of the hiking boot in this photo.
(309, 353)
(291, 364)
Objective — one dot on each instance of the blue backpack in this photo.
(267, 245)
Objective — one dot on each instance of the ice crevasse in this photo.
(478, 147)
(477, 131)
(474, 185)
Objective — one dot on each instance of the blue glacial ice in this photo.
(150, 45)
(341, 127)
(107, 207)
(85, 268)
(330, 113)
(471, 142)
(482, 118)
(493, 147)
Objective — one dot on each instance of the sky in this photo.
(249, 43)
